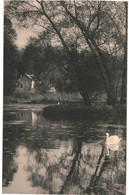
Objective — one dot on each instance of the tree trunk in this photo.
(124, 75)
(105, 74)
(111, 95)
(82, 88)
(85, 97)
(124, 80)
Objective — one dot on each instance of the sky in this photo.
(23, 36)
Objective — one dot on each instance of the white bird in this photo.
(112, 143)
(112, 139)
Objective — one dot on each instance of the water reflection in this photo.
(44, 157)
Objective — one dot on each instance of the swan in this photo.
(112, 143)
(112, 139)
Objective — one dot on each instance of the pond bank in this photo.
(71, 109)
(79, 111)
(48, 98)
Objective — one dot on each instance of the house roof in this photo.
(29, 76)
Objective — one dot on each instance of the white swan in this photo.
(112, 143)
(112, 139)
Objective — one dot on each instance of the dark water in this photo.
(64, 157)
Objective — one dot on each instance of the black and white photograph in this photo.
(64, 97)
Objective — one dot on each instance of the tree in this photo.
(98, 21)
(70, 23)
(38, 14)
(10, 60)
(124, 74)
(50, 66)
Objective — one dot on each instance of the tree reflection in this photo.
(52, 158)
(75, 165)
(9, 149)
(74, 168)
(48, 168)
(94, 177)
(62, 172)
(108, 178)
(9, 168)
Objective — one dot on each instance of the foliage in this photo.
(10, 57)
(99, 27)
(100, 32)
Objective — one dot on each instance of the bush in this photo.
(21, 96)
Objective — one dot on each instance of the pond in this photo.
(42, 156)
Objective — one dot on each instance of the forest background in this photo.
(80, 48)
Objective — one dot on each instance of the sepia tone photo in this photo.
(65, 89)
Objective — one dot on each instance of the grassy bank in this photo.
(75, 111)
(70, 107)
(47, 98)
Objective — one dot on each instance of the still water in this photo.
(42, 156)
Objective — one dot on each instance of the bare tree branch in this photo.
(98, 18)
(44, 27)
(75, 8)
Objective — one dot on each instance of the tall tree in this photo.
(10, 61)
(124, 73)
(93, 29)
(39, 13)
